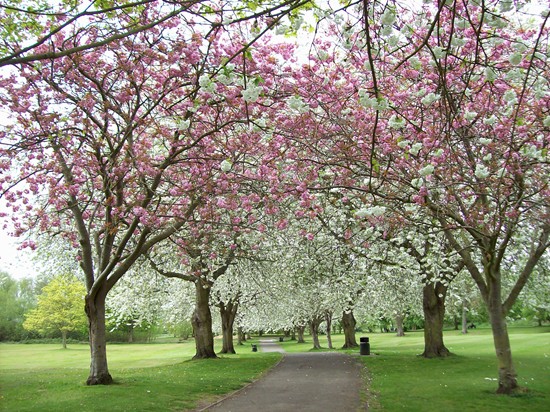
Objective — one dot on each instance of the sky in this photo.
(13, 261)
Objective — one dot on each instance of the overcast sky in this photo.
(13, 261)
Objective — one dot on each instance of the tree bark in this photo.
(64, 338)
(202, 321)
(301, 330)
(314, 330)
(433, 304)
(399, 324)
(131, 332)
(464, 318)
(240, 336)
(348, 324)
(507, 377)
(328, 320)
(228, 312)
(95, 310)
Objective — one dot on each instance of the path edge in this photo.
(235, 392)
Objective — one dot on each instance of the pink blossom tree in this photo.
(117, 148)
(27, 25)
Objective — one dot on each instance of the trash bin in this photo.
(281, 339)
(364, 346)
(254, 348)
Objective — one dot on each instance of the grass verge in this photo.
(147, 377)
(399, 380)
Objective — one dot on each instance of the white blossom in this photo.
(482, 171)
(206, 83)
(251, 93)
(183, 125)
(388, 18)
(510, 97)
(226, 165)
(415, 148)
(296, 103)
(362, 213)
(426, 170)
(489, 121)
(430, 98)
(438, 153)
(490, 74)
(439, 52)
(470, 115)
(370, 211)
(415, 63)
(396, 122)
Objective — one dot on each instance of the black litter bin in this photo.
(364, 346)
(254, 348)
(281, 339)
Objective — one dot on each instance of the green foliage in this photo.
(130, 332)
(182, 330)
(60, 307)
(16, 297)
(19, 20)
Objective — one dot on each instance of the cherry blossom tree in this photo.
(117, 148)
(444, 107)
(204, 267)
(29, 25)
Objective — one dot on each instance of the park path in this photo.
(319, 381)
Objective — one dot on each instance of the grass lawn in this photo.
(148, 377)
(401, 381)
(161, 377)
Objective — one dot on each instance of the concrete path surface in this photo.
(320, 381)
(270, 345)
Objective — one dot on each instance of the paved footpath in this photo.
(318, 381)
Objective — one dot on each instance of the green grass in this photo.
(148, 377)
(161, 377)
(401, 381)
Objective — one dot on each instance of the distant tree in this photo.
(16, 297)
(60, 308)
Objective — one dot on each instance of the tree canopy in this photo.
(59, 308)
(409, 139)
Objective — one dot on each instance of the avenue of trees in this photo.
(400, 162)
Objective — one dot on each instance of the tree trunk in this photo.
(507, 377)
(228, 313)
(399, 323)
(64, 338)
(131, 332)
(348, 324)
(301, 330)
(240, 336)
(464, 318)
(95, 310)
(434, 312)
(202, 322)
(314, 330)
(293, 334)
(328, 320)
